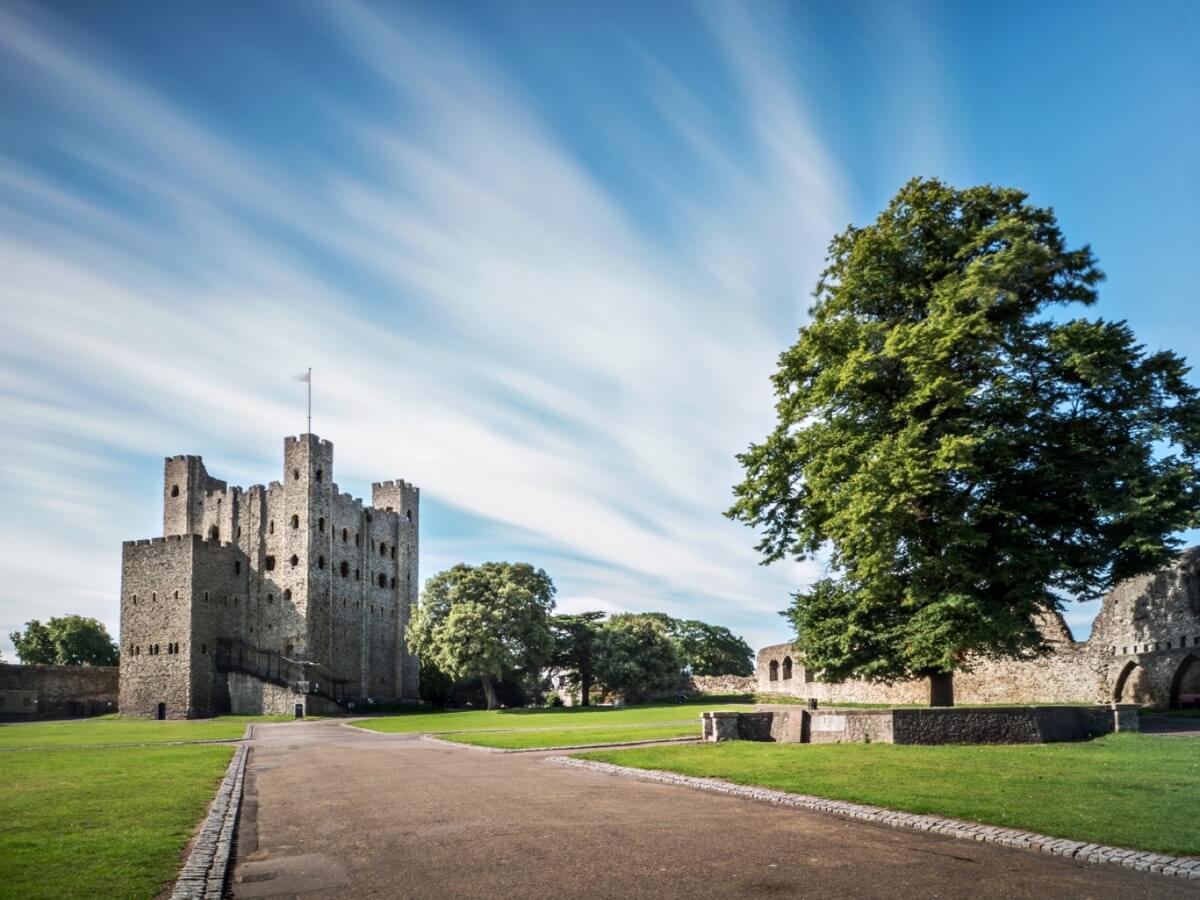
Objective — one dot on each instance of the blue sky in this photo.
(540, 256)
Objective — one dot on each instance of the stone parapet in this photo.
(951, 725)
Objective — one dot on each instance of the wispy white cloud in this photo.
(483, 313)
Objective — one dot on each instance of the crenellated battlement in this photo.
(170, 538)
(397, 483)
(308, 438)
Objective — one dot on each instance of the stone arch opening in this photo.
(1185, 685)
(787, 668)
(1129, 685)
(774, 670)
(214, 533)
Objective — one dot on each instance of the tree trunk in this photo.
(489, 691)
(941, 688)
(585, 684)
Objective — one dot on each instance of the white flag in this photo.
(305, 376)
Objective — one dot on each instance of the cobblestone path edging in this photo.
(207, 867)
(433, 739)
(1178, 866)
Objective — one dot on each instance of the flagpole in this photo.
(309, 379)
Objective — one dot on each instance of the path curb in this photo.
(207, 867)
(482, 749)
(1176, 866)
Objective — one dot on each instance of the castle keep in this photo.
(1144, 648)
(258, 599)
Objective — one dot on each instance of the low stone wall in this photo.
(721, 684)
(1007, 725)
(57, 692)
(957, 725)
(850, 726)
(250, 696)
(703, 684)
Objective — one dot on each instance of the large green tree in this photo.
(711, 649)
(65, 641)
(705, 649)
(635, 655)
(485, 622)
(963, 452)
(574, 646)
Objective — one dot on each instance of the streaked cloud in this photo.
(484, 314)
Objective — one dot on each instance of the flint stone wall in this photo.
(57, 692)
(721, 684)
(958, 725)
(1144, 648)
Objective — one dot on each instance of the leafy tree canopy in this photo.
(574, 647)
(705, 649)
(484, 621)
(634, 654)
(711, 649)
(65, 641)
(963, 451)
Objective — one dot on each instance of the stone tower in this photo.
(256, 599)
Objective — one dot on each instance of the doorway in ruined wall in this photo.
(1132, 686)
(162, 711)
(1185, 685)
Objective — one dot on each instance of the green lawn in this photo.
(103, 822)
(536, 739)
(118, 730)
(1128, 790)
(557, 718)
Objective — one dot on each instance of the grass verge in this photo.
(117, 730)
(531, 739)
(1127, 790)
(556, 718)
(104, 822)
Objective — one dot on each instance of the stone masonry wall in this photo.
(57, 691)
(959, 725)
(295, 567)
(721, 684)
(156, 615)
(1144, 648)
(250, 696)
